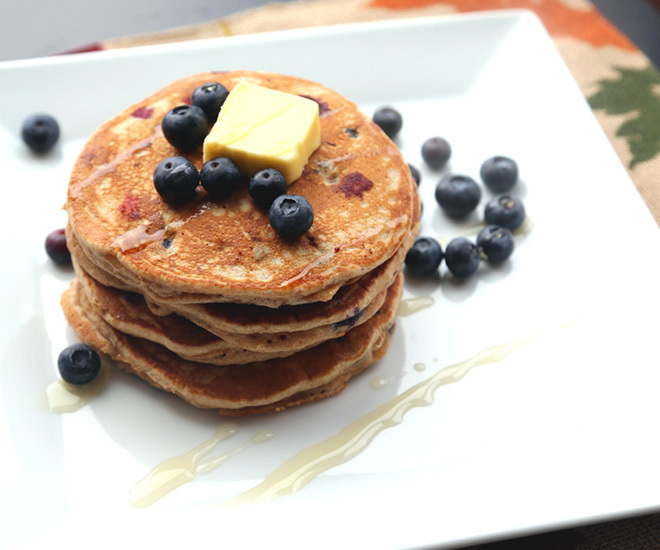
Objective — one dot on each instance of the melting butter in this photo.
(176, 471)
(299, 470)
(413, 305)
(64, 397)
(260, 128)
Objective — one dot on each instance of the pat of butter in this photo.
(262, 128)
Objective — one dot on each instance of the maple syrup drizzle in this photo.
(111, 165)
(137, 237)
(329, 255)
(378, 382)
(413, 305)
(64, 397)
(302, 468)
(176, 471)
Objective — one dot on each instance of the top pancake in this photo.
(358, 184)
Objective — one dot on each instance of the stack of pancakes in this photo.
(205, 300)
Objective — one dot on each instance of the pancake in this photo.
(205, 300)
(128, 313)
(237, 390)
(210, 251)
(349, 301)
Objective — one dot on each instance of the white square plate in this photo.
(561, 430)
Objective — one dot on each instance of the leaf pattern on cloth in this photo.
(635, 92)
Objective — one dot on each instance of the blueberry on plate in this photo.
(436, 152)
(415, 174)
(389, 120)
(499, 173)
(496, 243)
(506, 211)
(220, 177)
(210, 97)
(40, 132)
(462, 257)
(424, 257)
(78, 364)
(265, 186)
(56, 247)
(291, 216)
(457, 195)
(185, 127)
(176, 179)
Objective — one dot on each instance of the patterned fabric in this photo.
(620, 83)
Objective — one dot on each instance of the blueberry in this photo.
(462, 257)
(56, 247)
(436, 151)
(291, 216)
(496, 243)
(415, 174)
(78, 364)
(389, 120)
(424, 257)
(265, 186)
(499, 173)
(220, 177)
(209, 98)
(457, 195)
(176, 179)
(40, 132)
(506, 211)
(185, 127)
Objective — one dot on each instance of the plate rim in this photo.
(513, 14)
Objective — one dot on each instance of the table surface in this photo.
(639, 20)
(30, 31)
(38, 28)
